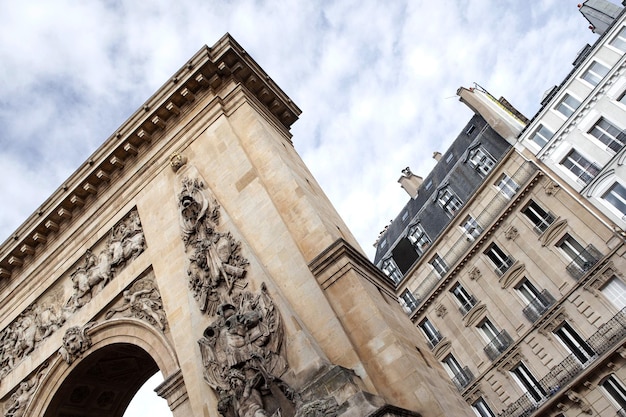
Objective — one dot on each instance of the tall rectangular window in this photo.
(595, 73)
(408, 300)
(542, 135)
(571, 247)
(616, 197)
(540, 218)
(528, 382)
(439, 265)
(449, 201)
(574, 343)
(390, 269)
(465, 299)
(432, 334)
(581, 167)
(481, 160)
(500, 260)
(497, 341)
(608, 134)
(568, 105)
(619, 41)
(461, 376)
(471, 228)
(615, 291)
(507, 186)
(537, 302)
(418, 238)
(615, 390)
(482, 409)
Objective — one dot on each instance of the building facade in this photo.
(520, 294)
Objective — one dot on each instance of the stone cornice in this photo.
(206, 71)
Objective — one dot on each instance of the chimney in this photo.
(410, 182)
(437, 156)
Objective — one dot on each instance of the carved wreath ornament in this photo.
(242, 349)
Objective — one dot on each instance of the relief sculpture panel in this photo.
(143, 301)
(242, 348)
(95, 269)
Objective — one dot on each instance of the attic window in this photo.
(449, 158)
(405, 215)
(470, 130)
(428, 185)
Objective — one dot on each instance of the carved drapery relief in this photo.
(143, 301)
(20, 399)
(48, 314)
(242, 349)
(75, 342)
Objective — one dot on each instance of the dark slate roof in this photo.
(461, 177)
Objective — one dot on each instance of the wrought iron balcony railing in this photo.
(606, 337)
(498, 345)
(463, 378)
(539, 305)
(584, 262)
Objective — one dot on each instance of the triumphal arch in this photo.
(195, 241)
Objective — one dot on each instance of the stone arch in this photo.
(124, 352)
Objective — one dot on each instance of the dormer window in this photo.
(449, 201)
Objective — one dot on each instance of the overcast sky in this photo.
(376, 81)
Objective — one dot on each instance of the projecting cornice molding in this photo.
(207, 71)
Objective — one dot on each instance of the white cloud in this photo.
(374, 80)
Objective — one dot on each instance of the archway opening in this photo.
(103, 383)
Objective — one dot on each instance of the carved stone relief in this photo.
(511, 233)
(143, 301)
(441, 310)
(75, 342)
(242, 348)
(20, 399)
(475, 273)
(48, 314)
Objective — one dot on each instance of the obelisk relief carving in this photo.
(242, 349)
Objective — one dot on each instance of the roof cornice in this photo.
(207, 70)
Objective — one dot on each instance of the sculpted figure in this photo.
(243, 359)
(16, 406)
(126, 240)
(143, 303)
(75, 342)
(90, 278)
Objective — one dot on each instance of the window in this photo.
(449, 201)
(501, 260)
(615, 390)
(481, 161)
(568, 105)
(390, 269)
(418, 238)
(466, 301)
(497, 341)
(616, 197)
(471, 228)
(595, 73)
(431, 333)
(540, 218)
(542, 135)
(582, 259)
(507, 186)
(528, 382)
(571, 247)
(461, 376)
(407, 299)
(608, 134)
(619, 41)
(574, 343)
(470, 129)
(482, 409)
(622, 98)
(583, 169)
(537, 302)
(439, 265)
(615, 291)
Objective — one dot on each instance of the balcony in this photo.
(498, 345)
(463, 378)
(606, 337)
(467, 305)
(584, 262)
(539, 305)
(434, 340)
